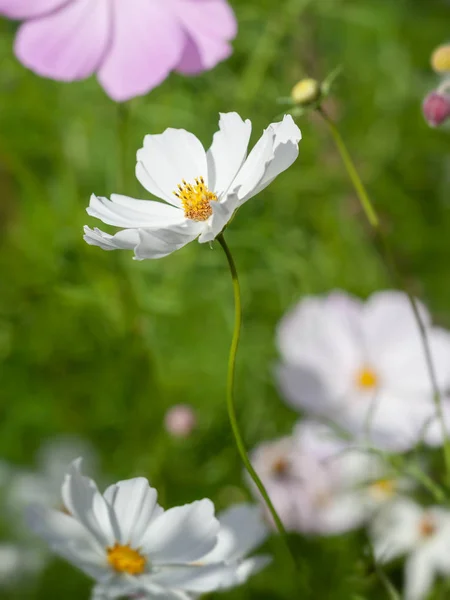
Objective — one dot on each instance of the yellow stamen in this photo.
(196, 199)
(124, 559)
(383, 488)
(366, 378)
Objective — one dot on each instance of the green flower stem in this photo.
(390, 590)
(230, 397)
(123, 123)
(374, 221)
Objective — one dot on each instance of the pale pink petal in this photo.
(210, 24)
(146, 45)
(68, 44)
(28, 9)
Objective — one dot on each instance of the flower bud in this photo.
(180, 420)
(440, 59)
(436, 108)
(306, 91)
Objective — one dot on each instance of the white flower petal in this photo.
(388, 317)
(69, 539)
(157, 243)
(251, 566)
(228, 151)
(420, 572)
(87, 505)
(168, 158)
(321, 333)
(133, 502)
(127, 239)
(122, 211)
(395, 531)
(196, 578)
(242, 529)
(222, 213)
(182, 534)
(274, 153)
(252, 171)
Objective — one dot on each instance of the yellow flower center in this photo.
(196, 199)
(124, 559)
(366, 378)
(383, 488)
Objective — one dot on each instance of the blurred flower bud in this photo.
(180, 420)
(440, 59)
(306, 91)
(436, 108)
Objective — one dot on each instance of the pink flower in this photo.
(180, 420)
(132, 45)
(436, 108)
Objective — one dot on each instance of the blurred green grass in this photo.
(96, 344)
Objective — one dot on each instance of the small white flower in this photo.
(362, 365)
(126, 542)
(422, 534)
(320, 483)
(201, 190)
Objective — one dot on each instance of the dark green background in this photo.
(96, 344)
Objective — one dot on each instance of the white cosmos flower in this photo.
(129, 544)
(321, 484)
(201, 190)
(362, 365)
(422, 534)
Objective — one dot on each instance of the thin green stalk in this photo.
(230, 397)
(391, 591)
(374, 221)
(123, 124)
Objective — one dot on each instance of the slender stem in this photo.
(374, 221)
(230, 396)
(123, 122)
(391, 591)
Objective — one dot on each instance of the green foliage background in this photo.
(96, 344)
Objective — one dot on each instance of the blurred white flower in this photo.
(43, 485)
(17, 563)
(201, 190)
(321, 484)
(422, 534)
(127, 542)
(362, 365)
(180, 420)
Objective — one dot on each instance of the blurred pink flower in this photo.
(321, 484)
(180, 420)
(436, 108)
(132, 45)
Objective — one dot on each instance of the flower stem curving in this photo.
(230, 397)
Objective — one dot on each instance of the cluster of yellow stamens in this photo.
(383, 488)
(124, 559)
(196, 199)
(366, 378)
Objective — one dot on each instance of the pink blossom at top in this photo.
(132, 45)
